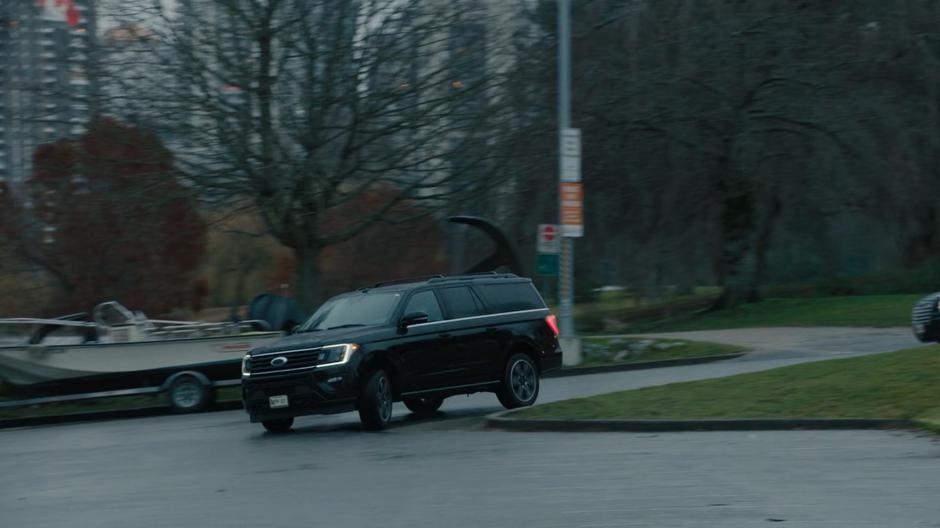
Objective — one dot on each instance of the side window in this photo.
(460, 302)
(424, 302)
(510, 297)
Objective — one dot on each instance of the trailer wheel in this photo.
(187, 394)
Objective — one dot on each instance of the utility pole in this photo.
(569, 172)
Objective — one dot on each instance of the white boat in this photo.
(121, 350)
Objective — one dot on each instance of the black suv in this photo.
(416, 341)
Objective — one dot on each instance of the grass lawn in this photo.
(617, 350)
(895, 385)
(117, 403)
(855, 310)
(931, 420)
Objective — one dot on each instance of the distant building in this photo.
(46, 78)
(130, 80)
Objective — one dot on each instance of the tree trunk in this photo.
(307, 261)
(772, 209)
(921, 242)
(737, 262)
(239, 293)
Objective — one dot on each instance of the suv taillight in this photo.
(552, 323)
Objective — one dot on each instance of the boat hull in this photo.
(110, 366)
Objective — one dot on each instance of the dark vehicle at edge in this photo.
(417, 341)
(925, 318)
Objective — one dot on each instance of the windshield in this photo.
(366, 309)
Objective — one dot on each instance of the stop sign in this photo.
(548, 240)
(548, 233)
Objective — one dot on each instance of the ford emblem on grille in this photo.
(279, 361)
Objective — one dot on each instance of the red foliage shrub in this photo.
(109, 219)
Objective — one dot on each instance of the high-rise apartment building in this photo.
(46, 77)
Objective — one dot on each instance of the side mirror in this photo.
(294, 330)
(412, 319)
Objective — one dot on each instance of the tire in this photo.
(188, 394)
(279, 426)
(520, 385)
(423, 406)
(375, 402)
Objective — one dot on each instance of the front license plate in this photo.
(277, 402)
(919, 328)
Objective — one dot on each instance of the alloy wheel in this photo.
(523, 379)
(384, 397)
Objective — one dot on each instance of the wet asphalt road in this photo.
(218, 470)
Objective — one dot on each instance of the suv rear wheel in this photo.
(423, 405)
(520, 385)
(375, 402)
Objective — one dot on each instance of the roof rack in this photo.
(471, 276)
(442, 278)
(406, 281)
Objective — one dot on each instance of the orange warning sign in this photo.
(572, 209)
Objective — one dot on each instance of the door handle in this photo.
(445, 336)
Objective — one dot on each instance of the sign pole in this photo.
(566, 279)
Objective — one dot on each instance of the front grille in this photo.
(296, 359)
(924, 310)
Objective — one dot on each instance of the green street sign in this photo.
(547, 264)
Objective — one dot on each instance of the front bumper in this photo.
(318, 391)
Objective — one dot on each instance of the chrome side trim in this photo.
(479, 317)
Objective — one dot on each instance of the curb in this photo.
(7, 423)
(501, 421)
(639, 365)
(929, 425)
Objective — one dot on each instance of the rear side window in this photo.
(510, 297)
(460, 302)
(424, 302)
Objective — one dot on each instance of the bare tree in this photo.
(303, 105)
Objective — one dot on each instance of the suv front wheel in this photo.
(375, 402)
(520, 384)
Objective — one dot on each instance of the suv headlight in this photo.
(246, 366)
(336, 354)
